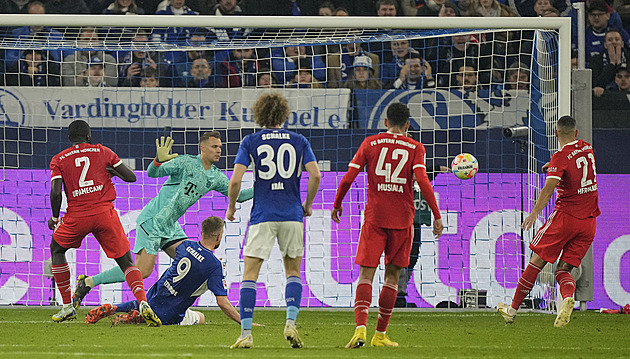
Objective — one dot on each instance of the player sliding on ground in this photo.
(392, 159)
(278, 156)
(570, 229)
(85, 170)
(190, 177)
(194, 270)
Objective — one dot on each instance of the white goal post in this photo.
(482, 215)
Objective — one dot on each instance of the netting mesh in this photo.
(132, 84)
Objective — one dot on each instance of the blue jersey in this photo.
(194, 271)
(278, 156)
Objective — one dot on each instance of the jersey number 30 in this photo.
(280, 165)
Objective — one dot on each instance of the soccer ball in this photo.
(465, 166)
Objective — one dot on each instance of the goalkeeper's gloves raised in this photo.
(164, 146)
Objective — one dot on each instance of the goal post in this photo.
(482, 249)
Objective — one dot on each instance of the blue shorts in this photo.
(152, 241)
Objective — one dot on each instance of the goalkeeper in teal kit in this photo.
(190, 177)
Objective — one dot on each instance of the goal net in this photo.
(492, 91)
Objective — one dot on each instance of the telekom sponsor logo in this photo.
(480, 247)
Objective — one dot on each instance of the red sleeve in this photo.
(55, 171)
(345, 184)
(111, 157)
(427, 190)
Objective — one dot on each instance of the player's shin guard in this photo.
(565, 282)
(293, 297)
(362, 302)
(247, 303)
(134, 280)
(386, 302)
(61, 273)
(525, 284)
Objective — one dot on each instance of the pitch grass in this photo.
(29, 333)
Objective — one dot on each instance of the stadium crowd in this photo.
(481, 62)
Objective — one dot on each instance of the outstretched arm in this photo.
(344, 186)
(228, 308)
(163, 149)
(429, 196)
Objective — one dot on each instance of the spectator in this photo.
(280, 7)
(202, 76)
(33, 69)
(622, 79)
(285, 61)
(304, 79)
(266, 79)
(605, 64)
(489, 8)
(36, 33)
(93, 76)
(123, 7)
(340, 11)
(134, 62)
(532, 8)
(326, 9)
(414, 75)
(66, 7)
(238, 68)
(174, 34)
(518, 77)
(226, 7)
(340, 64)
(363, 75)
(449, 9)
(598, 19)
(177, 64)
(74, 65)
(455, 52)
(386, 8)
(14, 6)
(411, 7)
(395, 58)
(149, 77)
(431, 8)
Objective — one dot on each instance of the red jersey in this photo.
(391, 160)
(574, 166)
(87, 184)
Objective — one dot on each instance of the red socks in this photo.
(566, 283)
(386, 302)
(61, 273)
(525, 284)
(362, 302)
(135, 282)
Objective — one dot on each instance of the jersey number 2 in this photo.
(384, 168)
(85, 163)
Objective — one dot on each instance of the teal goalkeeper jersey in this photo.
(188, 181)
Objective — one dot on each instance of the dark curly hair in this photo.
(271, 110)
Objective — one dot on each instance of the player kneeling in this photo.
(194, 267)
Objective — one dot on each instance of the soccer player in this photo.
(190, 177)
(392, 159)
(85, 171)
(194, 270)
(570, 229)
(278, 156)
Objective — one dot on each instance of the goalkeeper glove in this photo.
(164, 146)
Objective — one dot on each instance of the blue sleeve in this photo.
(216, 282)
(242, 157)
(309, 156)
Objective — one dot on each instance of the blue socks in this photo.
(127, 306)
(293, 296)
(247, 302)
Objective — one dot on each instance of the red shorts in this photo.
(374, 240)
(564, 233)
(105, 227)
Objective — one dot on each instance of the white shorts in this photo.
(261, 237)
(190, 318)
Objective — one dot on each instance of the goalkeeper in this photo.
(190, 177)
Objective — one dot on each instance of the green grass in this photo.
(28, 332)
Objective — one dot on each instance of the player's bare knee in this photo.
(564, 266)
(202, 318)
